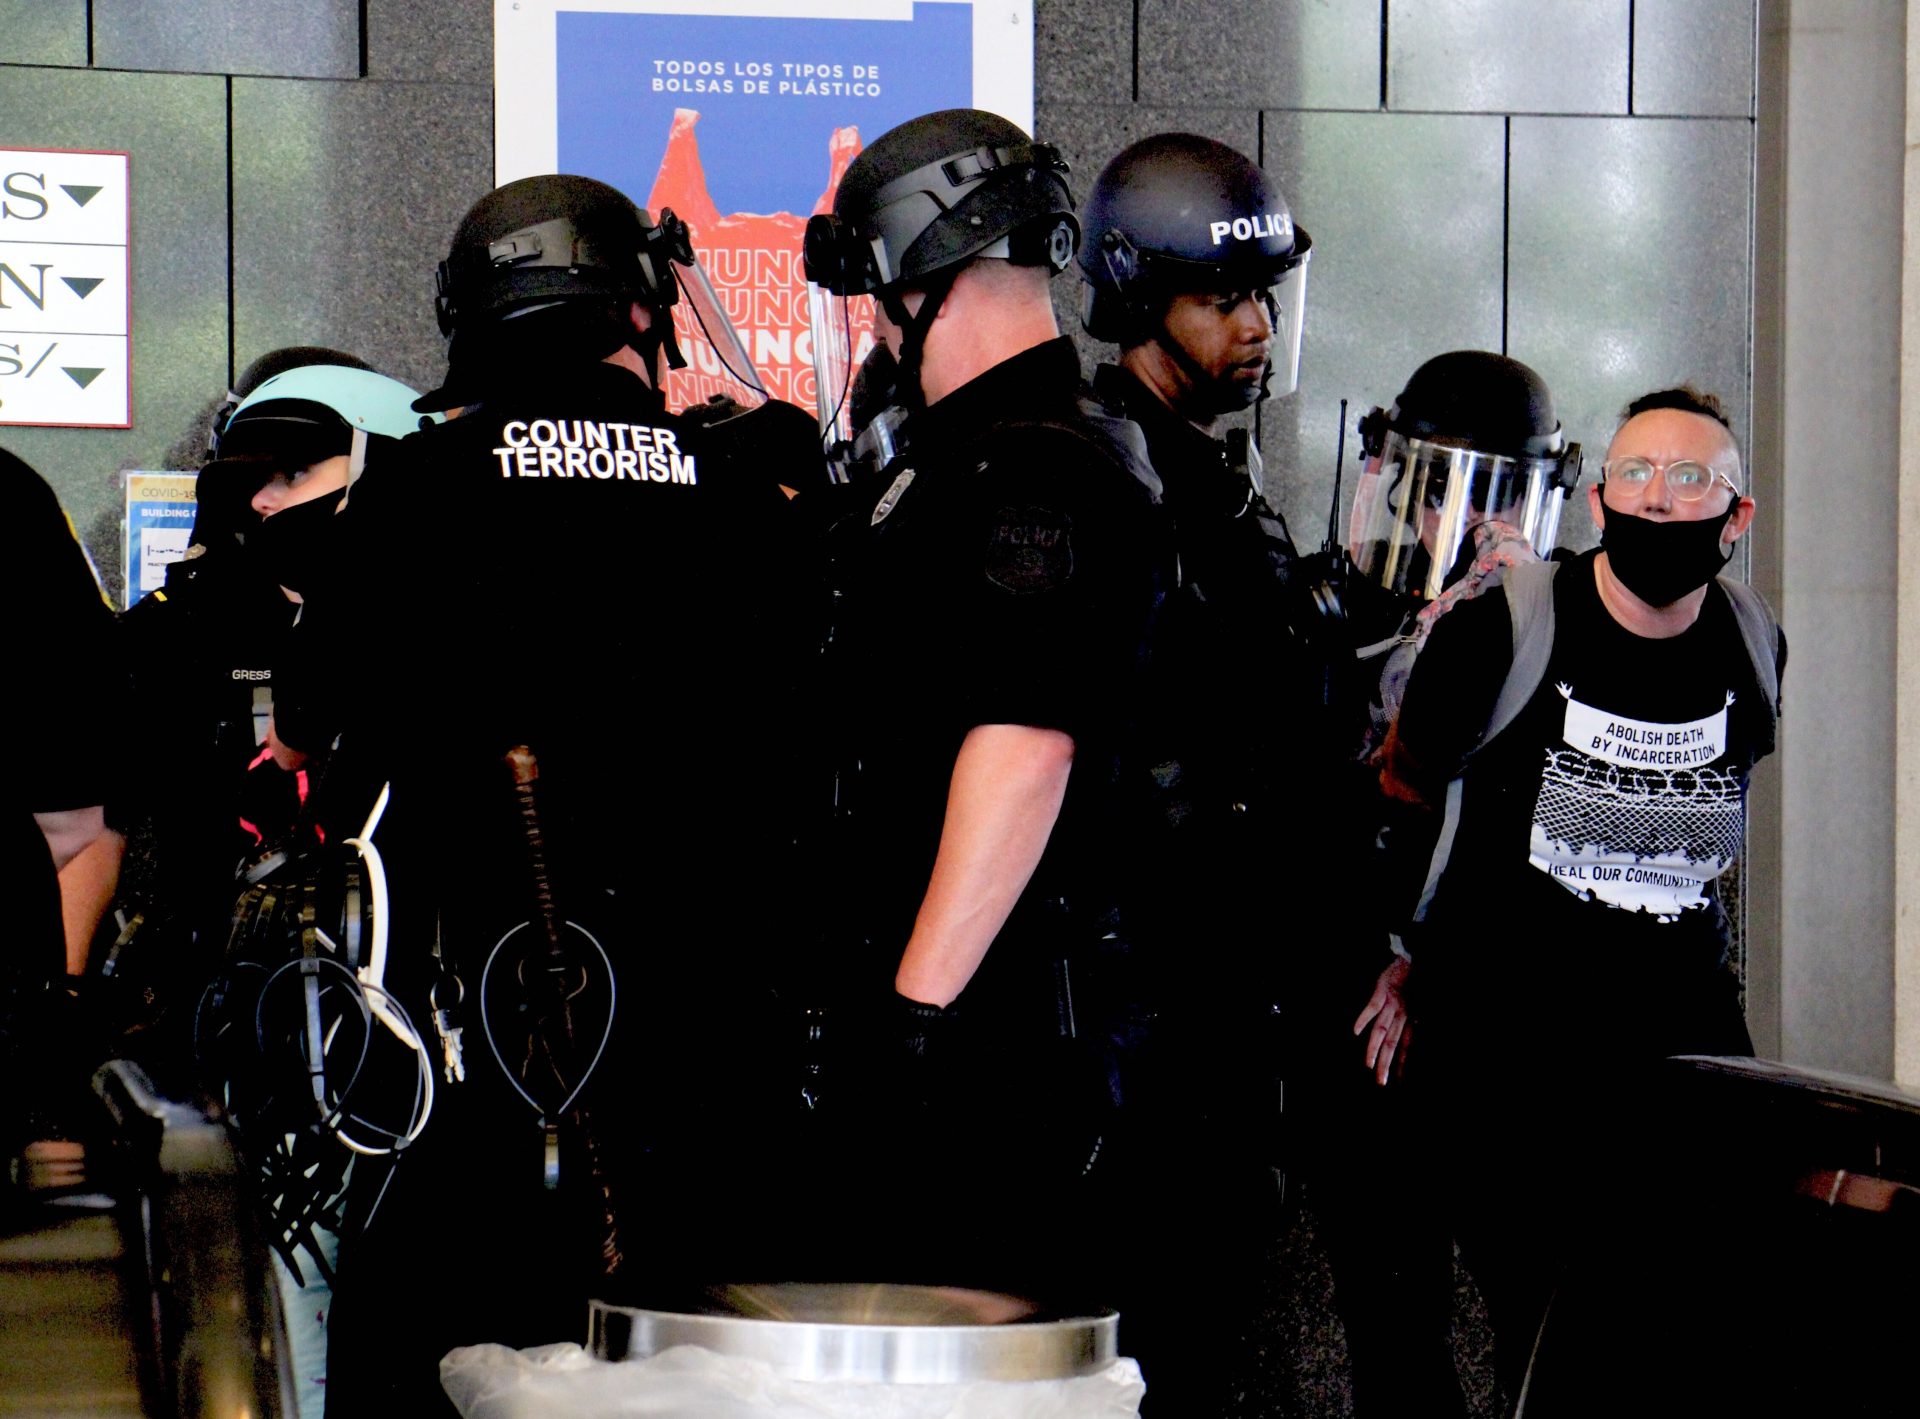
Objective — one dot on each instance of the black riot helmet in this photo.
(1177, 213)
(1471, 440)
(917, 204)
(548, 267)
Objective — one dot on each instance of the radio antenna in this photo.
(1339, 462)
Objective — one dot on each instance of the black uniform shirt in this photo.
(567, 566)
(1005, 577)
(1230, 756)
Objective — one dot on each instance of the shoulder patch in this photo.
(1029, 549)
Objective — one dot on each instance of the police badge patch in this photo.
(1029, 549)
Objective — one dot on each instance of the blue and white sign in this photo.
(159, 527)
(65, 308)
(591, 86)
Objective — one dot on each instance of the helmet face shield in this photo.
(1418, 501)
(1287, 308)
(714, 351)
(841, 333)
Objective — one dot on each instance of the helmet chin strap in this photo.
(356, 462)
(913, 332)
(1200, 380)
(656, 337)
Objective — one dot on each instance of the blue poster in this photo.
(740, 116)
(770, 93)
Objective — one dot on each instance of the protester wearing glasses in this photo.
(1581, 739)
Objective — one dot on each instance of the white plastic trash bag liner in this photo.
(494, 1382)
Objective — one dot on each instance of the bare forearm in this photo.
(1008, 784)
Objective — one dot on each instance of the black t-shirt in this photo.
(1593, 829)
(1004, 577)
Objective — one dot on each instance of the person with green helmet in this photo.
(203, 648)
(220, 806)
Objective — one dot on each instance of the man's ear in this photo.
(1596, 506)
(1738, 524)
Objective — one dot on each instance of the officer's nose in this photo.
(267, 501)
(1256, 323)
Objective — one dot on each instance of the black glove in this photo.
(918, 1048)
(920, 1029)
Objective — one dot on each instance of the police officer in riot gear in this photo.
(997, 588)
(1196, 269)
(1466, 472)
(589, 585)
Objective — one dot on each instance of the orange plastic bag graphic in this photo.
(755, 265)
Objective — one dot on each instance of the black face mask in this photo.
(291, 546)
(1660, 562)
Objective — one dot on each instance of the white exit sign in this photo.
(65, 305)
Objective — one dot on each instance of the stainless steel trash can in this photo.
(887, 1334)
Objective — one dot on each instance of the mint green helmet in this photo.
(304, 415)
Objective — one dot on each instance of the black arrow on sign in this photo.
(80, 195)
(82, 286)
(81, 377)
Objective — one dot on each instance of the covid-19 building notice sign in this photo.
(64, 305)
(740, 116)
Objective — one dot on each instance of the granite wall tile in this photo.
(43, 32)
(344, 198)
(1261, 53)
(1693, 58)
(1082, 51)
(1511, 56)
(303, 38)
(448, 41)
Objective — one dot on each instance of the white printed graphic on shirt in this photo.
(1626, 816)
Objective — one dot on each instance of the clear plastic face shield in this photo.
(1418, 501)
(842, 332)
(1287, 309)
(713, 358)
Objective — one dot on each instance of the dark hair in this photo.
(1685, 398)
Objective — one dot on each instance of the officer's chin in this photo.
(1236, 397)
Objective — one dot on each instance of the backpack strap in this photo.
(1529, 591)
(1761, 633)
